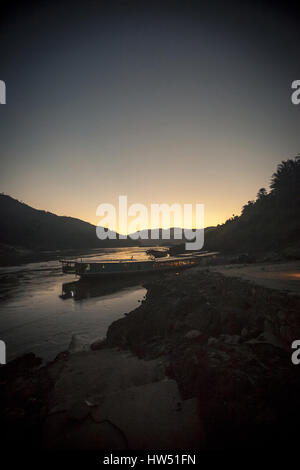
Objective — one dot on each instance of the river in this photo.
(41, 308)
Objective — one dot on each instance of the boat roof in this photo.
(167, 259)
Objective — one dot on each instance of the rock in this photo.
(244, 333)
(98, 344)
(85, 435)
(79, 411)
(20, 365)
(89, 403)
(268, 338)
(212, 341)
(179, 325)
(140, 411)
(78, 343)
(61, 356)
(217, 357)
(231, 381)
(193, 334)
(231, 339)
(281, 315)
(268, 325)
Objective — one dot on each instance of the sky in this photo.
(189, 102)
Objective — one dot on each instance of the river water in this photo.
(41, 308)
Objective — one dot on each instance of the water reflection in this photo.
(85, 289)
(41, 308)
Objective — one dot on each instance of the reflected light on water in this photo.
(36, 317)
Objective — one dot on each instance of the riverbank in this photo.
(203, 362)
(14, 256)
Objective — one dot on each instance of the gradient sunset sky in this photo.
(175, 104)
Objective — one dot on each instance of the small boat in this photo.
(91, 269)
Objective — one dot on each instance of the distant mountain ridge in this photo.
(24, 226)
(271, 222)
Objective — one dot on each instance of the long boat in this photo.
(100, 268)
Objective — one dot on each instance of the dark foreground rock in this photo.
(24, 388)
(203, 362)
(228, 344)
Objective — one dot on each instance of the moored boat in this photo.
(101, 268)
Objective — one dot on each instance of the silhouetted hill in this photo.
(23, 226)
(270, 223)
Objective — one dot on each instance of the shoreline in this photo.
(16, 258)
(203, 352)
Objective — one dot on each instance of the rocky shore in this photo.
(203, 362)
(228, 343)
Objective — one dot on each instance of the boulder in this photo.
(230, 339)
(98, 344)
(212, 341)
(193, 334)
(79, 411)
(78, 343)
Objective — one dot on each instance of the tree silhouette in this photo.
(262, 193)
(272, 222)
(285, 182)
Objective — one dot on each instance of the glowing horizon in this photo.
(94, 220)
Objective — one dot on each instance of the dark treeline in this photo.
(270, 223)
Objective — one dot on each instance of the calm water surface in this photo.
(35, 316)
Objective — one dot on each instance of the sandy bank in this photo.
(281, 276)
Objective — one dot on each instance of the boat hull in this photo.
(95, 270)
(106, 269)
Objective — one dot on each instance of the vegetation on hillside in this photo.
(271, 222)
(26, 227)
